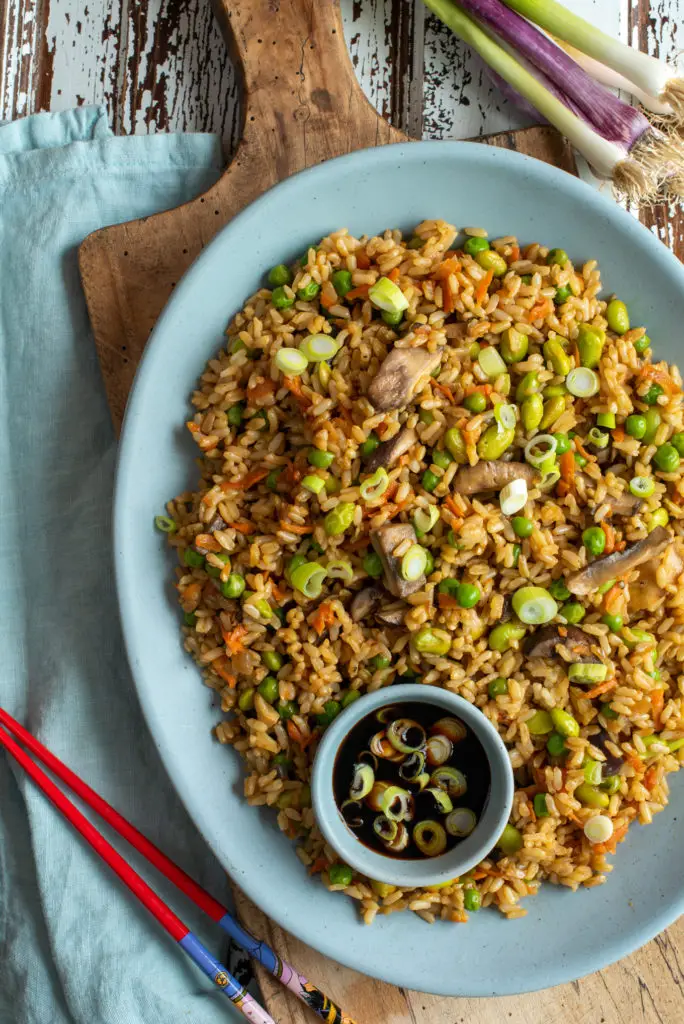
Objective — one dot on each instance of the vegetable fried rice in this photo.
(447, 460)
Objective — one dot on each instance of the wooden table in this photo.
(162, 66)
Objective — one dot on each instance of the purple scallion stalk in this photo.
(613, 119)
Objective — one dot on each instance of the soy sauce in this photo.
(467, 755)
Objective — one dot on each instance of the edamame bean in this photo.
(490, 260)
(555, 354)
(590, 342)
(514, 345)
(339, 518)
(494, 442)
(532, 412)
(431, 641)
(591, 796)
(273, 660)
(653, 420)
(456, 446)
(505, 634)
(529, 385)
(617, 317)
(246, 699)
(564, 723)
(553, 410)
(677, 441)
(268, 688)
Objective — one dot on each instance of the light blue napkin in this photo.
(75, 947)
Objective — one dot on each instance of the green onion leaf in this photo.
(642, 486)
(491, 362)
(374, 486)
(540, 452)
(308, 578)
(587, 673)
(168, 525)
(387, 295)
(582, 382)
(317, 348)
(340, 569)
(414, 563)
(424, 519)
(506, 415)
(291, 361)
(534, 605)
(313, 483)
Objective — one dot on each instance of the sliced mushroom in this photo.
(649, 590)
(543, 643)
(388, 452)
(385, 541)
(612, 764)
(392, 614)
(217, 523)
(603, 569)
(399, 376)
(365, 602)
(625, 504)
(492, 476)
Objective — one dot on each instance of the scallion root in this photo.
(673, 93)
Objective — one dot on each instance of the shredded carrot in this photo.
(261, 390)
(445, 391)
(358, 293)
(617, 837)
(221, 670)
(294, 528)
(485, 389)
(608, 684)
(294, 386)
(233, 639)
(539, 310)
(362, 260)
(192, 427)
(619, 433)
(245, 528)
(566, 464)
(515, 253)
(323, 617)
(612, 596)
(318, 865)
(651, 372)
(587, 455)
(394, 275)
(610, 537)
(191, 596)
(297, 736)
(207, 542)
(562, 488)
(245, 482)
(447, 601)
(479, 874)
(277, 591)
(635, 761)
(657, 703)
(452, 506)
(447, 267)
(448, 297)
(483, 287)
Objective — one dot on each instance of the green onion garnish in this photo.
(424, 519)
(340, 569)
(587, 673)
(317, 348)
(642, 486)
(308, 578)
(540, 452)
(506, 415)
(291, 361)
(387, 295)
(374, 486)
(598, 438)
(313, 483)
(165, 524)
(513, 497)
(582, 382)
(414, 563)
(606, 419)
(534, 605)
(491, 362)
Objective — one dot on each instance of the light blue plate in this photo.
(564, 935)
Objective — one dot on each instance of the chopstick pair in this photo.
(219, 975)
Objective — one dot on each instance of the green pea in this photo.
(555, 354)
(652, 395)
(331, 710)
(340, 874)
(591, 796)
(490, 260)
(268, 688)
(554, 391)
(594, 540)
(611, 784)
(193, 559)
(429, 480)
(553, 410)
(234, 414)
(472, 900)
(339, 518)
(613, 622)
(573, 612)
(279, 274)
(608, 712)
(476, 402)
(349, 697)
(474, 245)
(189, 618)
(497, 687)
(287, 708)
(246, 699)
(456, 446)
(540, 723)
(431, 641)
(564, 723)
(541, 808)
(563, 444)
(234, 586)
(532, 412)
(468, 595)
(558, 590)
(514, 345)
(273, 660)
(642, 344)
(281, 299)
(556, 745)
(617, 317)
(517, 551)
(562, 294)
(426, 417)
(653, 421)
(319, 459)
(272, 479)
(510, 841)
(666, 458)
(342, 282)
(449, 586)
(372, 564)
(677, 441)
(494, 442)
(580, 461)
(522, 526)
(309, 291)
(590, 342)
(393, 319)
(415, 243)
(635, 426)
(557, 256)
(215, 570)
(369, 445)
(505, 634)
(526, 279)
(380, 661)
(442, 459)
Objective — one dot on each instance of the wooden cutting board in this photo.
(301, 105)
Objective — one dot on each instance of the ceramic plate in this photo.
(565, 934)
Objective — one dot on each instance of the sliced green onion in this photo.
(424, 519)
(598, 438)
(582, 382)
(540, 452)
(168, 525)
(340, 569)
(317, 348)
(506, 415)
(513, 497)
(606, 419)
(642, 486)
(491, 362)
(308, 578)
(414, 563)
(550, 479)
(375, 485)
(315, 484)
(291, 361)
(598, 829)
(534, 605)
(587, 673)
(387, 295)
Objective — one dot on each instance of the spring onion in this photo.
(291, 361)
(606, 419)
(648, 73)
(534, 605)
(616, 140)
(614, 80)
(491, 362)
(424, 519)
(340, 569)
(642, 486)
(540, 452)
(589, 672)
(506, 415)
(387, 295)
(582, 382)
(168, 525)
(598, 438)
(550, 479)
(513, 497)
(319, 347)
(598, 829)
(414, 563)
(374, 486)
(308, 578)
(313, 483)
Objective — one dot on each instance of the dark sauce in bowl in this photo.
(429, 780)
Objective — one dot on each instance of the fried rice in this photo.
(251, 514)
